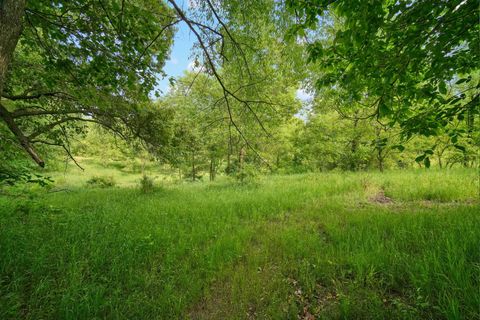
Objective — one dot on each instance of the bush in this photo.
(146, 184)
(247, 174)
(101, 182)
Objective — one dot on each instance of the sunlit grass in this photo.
(278, 247)
(124, 175)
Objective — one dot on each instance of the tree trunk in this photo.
(229, 166)
(379, 147)
(212, 169)
(354, 142)
(241, 159)
(470, 122)
(11, 16)
(381, 159)
(439, 156)
(193, 166)
(465, 159)
(229, 153)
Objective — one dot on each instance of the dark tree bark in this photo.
(11, 19)
(380, 159)
(25, 143)
(11, 16)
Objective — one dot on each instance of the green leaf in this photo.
(442, 88)
(459, 147)
(383, 109)
(463, 80)
(420, 158)
(426, 162)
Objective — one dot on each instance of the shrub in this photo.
(247, 174)
(101, 182)
(146, 184)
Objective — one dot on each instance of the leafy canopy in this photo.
(413, 59)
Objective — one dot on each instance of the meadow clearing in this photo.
(340, 140)
(366, 245)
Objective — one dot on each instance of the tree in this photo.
(400, 55)
(97, 61)
(65, 62)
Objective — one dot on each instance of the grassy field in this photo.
(398, 245)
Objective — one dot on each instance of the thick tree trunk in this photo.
(11, 16)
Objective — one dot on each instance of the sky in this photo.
(181, 52)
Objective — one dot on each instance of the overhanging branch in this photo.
(24, 141)
(37, 96)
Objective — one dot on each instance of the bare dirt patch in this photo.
(324, 300)
(380, 198)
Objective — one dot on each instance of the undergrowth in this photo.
(285, 247)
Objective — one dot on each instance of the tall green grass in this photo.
(277, 248)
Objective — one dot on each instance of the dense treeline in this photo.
(381, 96)
(203, 146)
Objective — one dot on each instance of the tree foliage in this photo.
(413, 61)
(380, 72)
(84, 61)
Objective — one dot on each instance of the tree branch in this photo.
(64, 148)
(26, 96)
(156, 38)
(50, 126)
(226, 92)
(24, 142)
